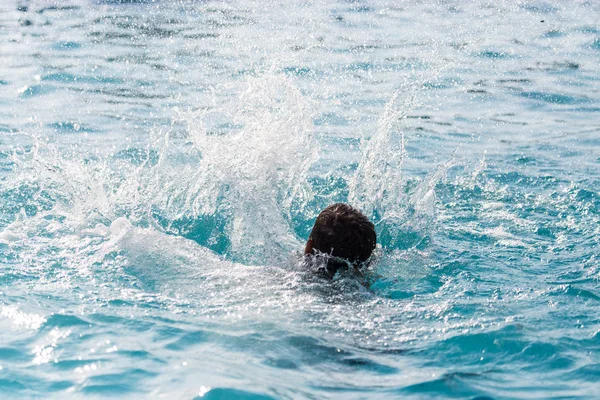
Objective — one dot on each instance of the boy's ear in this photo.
(309, 247)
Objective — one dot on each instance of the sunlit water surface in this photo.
(161, 164)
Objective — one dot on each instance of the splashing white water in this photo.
(379, 188)
(256, 171)
(375, 187)
(251, 174)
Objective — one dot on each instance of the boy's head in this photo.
(344, 233)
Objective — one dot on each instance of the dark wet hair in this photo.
(344, 234)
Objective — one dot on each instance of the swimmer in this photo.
(343, 236)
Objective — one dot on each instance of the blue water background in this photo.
(161, 164)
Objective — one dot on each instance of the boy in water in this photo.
(343, 236)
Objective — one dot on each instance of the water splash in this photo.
(374, 187)
(402, 210)
(248, 175)
(255, 171)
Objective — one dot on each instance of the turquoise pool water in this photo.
(162, 162)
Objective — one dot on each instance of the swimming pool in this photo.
(162, 163)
